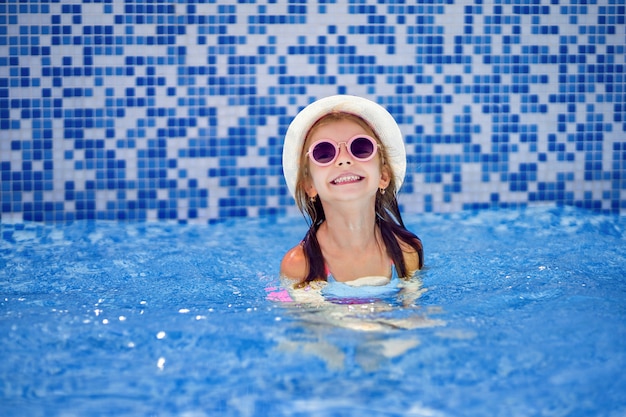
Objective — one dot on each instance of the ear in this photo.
(385, 176)
(309, 188)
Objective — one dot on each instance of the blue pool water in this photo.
(524, 314)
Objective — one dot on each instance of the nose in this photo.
(344, 156)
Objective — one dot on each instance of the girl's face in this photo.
(346, 178)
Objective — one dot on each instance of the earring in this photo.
(382, 191)
(312, 199)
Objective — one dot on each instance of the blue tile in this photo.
(175, 104)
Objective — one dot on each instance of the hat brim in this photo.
(379, 119)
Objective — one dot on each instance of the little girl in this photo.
(344, 161)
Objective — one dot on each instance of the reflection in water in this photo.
(382, 326)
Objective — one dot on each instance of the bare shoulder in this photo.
(294, 265)
(411, 257)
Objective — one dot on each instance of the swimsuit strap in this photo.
(329, 275)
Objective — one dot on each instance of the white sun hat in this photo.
(376, 116)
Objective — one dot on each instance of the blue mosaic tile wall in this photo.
(166, 109)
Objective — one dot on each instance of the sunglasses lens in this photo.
(362, 148)
(324, 152)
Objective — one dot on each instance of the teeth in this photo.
(347, 178)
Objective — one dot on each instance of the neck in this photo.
(351, 227)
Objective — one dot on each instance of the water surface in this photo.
(523, 314)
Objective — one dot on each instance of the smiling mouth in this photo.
(346, 179)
